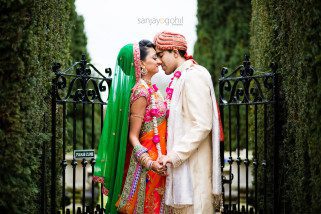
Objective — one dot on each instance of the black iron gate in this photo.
(248, 105)
(77, 101)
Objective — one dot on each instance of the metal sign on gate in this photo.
(84, 154)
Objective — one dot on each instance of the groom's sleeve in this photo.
(197, 115)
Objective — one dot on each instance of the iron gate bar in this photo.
(74, 162)
(43, 175)
(255, 161)
(238, 159)
(92, 161)
(64, 162)
(101, 130)
(264, 163)
(53, 149)
(276, 140)
(83, 162)
(230, 158)
(246, 161)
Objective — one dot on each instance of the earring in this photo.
(144, 71)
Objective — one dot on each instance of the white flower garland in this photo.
(156, 138)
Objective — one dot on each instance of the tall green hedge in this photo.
(78, 37)
(288, 33)
(33, 35)
(222, 34)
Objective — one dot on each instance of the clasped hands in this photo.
(159, 166)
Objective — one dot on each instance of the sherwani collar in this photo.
(184, 66)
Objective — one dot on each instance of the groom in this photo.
(193, 184)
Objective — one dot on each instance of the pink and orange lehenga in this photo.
(143, 190)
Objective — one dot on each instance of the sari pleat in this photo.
(149, 190)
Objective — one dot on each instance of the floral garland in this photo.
(152, 91)
(170, 90)
(169, 93)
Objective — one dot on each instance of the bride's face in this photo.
(151, 62)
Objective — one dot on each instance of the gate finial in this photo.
(248, 71)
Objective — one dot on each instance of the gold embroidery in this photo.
(160, 190)
(148, 126)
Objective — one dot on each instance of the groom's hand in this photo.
(164, 160)
(159, 168)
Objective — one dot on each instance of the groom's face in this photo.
(168, 60)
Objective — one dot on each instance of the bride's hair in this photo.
(143, 48)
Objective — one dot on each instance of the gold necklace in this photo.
(148, 82)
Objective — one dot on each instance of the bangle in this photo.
(139, 150)
(137, 147)
(145, 160)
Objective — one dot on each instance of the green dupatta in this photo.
(109, 167)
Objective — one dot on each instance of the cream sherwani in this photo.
(193, 143)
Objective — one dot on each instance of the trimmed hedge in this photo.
(78, 37)
(34, 34)
(288, 33)
(222, 34)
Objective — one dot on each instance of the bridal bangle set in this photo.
(142, 156)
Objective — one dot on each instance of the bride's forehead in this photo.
(151, 51)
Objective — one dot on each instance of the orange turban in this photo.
(169, 41)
